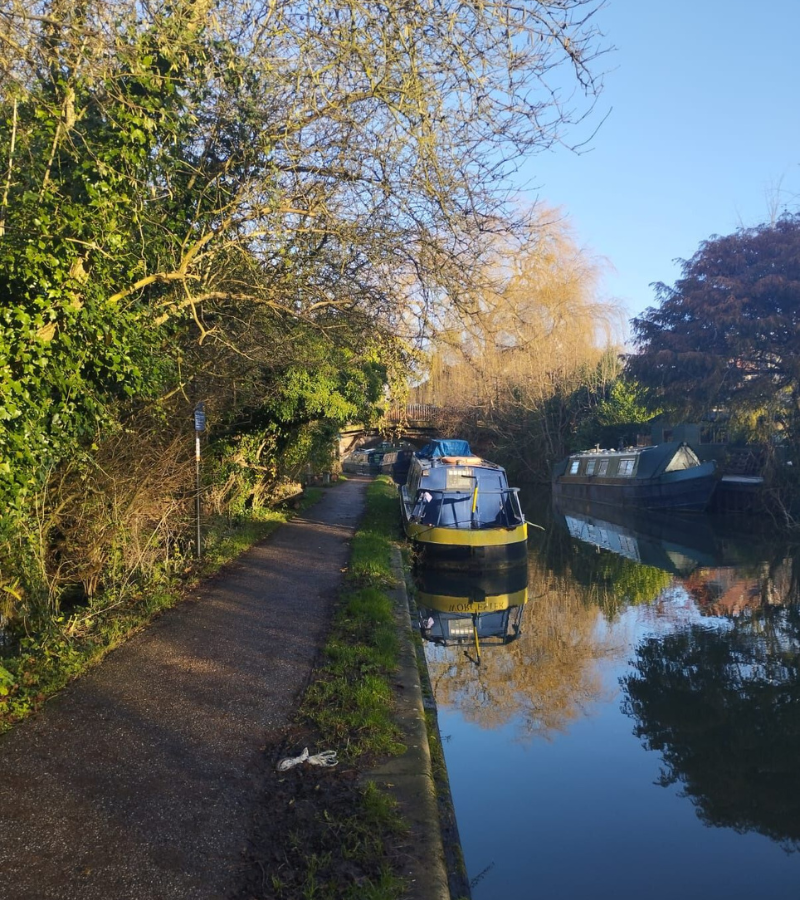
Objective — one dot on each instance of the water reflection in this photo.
(477, 611)
(722, 707)
(725, 570)
(719, 701)
(671, 543)
(610, 580)
(656, 661)
(543, 677)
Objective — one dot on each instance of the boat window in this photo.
(590, 465)
(626, 467)
(684, 458)
(574, 465)
(459, 479)
(602, 468)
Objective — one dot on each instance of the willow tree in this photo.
(534, 337)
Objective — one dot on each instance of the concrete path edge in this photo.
(409, 778)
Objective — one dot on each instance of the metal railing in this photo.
(507, 513)
(412, 412)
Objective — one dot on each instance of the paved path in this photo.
(138, 780)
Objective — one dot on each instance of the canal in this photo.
(623, 715)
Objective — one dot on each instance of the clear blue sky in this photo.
(704, 129)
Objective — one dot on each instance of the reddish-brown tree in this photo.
(728, 332)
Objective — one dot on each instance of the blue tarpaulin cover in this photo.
(449, 447)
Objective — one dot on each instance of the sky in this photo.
(702, 136)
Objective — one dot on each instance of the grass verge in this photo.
(323, 833)
(51, 654)
(349, 700)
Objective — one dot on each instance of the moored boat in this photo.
(665, 476)
(397, 462)
(370, 460)
(359, 462)
(459, 511)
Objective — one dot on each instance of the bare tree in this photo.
(358, 151)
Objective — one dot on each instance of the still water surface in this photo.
(629, 722)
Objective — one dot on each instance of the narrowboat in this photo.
(397, 462)
(458, 510)
(359, 462)
(368, 461)
(665, 476)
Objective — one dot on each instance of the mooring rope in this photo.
(326, 758)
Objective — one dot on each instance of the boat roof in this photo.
(651, 459)
(472, 461)
(445, 447)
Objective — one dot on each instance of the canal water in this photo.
(622, 717)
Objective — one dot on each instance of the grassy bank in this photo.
(44, 656)
(324, 833)
(349, 702)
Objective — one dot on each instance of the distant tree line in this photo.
(538, 368)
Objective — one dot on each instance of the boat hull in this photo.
(688, 490)
(478, 548)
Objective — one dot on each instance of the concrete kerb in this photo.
(409, 778)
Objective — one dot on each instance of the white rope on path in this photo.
(326, 758)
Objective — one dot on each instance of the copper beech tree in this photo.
(727, 334)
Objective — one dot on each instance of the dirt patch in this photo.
(313, 831)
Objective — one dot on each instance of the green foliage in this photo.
(7, 680)
(614, 413)
(624, 404)
(78, 225)
(184, 219)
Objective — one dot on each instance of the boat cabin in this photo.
(634, 462)
(461, 492)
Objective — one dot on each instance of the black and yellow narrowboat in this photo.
(459, 511)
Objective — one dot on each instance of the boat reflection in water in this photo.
(475, 611)
(649, 712)
(724, 571)
(677, 544)
(718, 698)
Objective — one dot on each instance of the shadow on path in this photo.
(138, 780)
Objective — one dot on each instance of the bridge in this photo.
(416, 423)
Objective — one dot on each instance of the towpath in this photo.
(138, 781)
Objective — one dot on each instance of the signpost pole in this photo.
(199, 426)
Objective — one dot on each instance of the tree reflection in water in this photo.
(721, 704)
(542, 681)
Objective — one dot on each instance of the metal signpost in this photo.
(199, 426)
